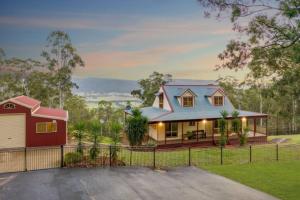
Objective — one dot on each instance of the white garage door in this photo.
(12, 131)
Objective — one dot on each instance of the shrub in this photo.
(151, 143)
(73, 158)
(94, 151)
(243, 136)
(136, 127)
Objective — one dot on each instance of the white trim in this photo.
(190, 91)
(35, 109)
(17, 102)
(67, 117)
(49, 117)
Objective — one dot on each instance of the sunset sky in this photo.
(123, 39)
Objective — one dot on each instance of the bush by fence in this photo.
(23, 159)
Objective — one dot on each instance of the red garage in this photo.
(24, 123)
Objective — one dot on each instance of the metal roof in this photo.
(202, 109)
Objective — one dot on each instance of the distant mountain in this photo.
(104, 85)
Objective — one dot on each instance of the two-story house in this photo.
(186, 112)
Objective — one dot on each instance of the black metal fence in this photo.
(25, 159)
(283, 126)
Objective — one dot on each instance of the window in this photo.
(171, 129)
(216, 124)
(192, 123)
(9, 106)
(218, 101)
(188, 101)
(161, 100)
(46, 127)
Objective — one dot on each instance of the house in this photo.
(25, 123)
(186, 112)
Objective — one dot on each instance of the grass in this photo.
(211, 156)
(292, 139)
(280, 179)
(105, 140)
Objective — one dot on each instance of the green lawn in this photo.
(292, 139)
(280, 179)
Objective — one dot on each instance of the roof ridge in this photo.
(194, 85)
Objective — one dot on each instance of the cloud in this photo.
(146, 57)
(47, 22)
(203, 67)
(129, 23)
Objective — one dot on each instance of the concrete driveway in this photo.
(123, 183)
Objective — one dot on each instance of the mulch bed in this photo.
(99, 162)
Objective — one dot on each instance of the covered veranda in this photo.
(205, 132)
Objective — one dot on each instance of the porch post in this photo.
(227, 130)
(254, 125)
(181, 132)
(197, 133)
(213, 134)
(266, 126)
(165, 137)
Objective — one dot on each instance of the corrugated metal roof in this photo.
(202, 109)
(54, 113)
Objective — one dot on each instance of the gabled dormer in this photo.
(217, 98)
(161, 101)
(187, 98)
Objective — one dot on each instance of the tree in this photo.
(289, 87)
(150, 86)
(15, 74)
(273, 35)
(62, 58)
(77, 109)
(136, 127)
(39, 86)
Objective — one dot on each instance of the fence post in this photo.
(25, 159)
(250, 153)
(189, 156)
(221, 155)
(110, 155)
(61, 156)
(130, 156)
(154, 164)
(277, 152)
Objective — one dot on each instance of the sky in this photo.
(122, 39)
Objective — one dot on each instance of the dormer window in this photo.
(161, 101)
(9, 106)
(188, 101)
(218, 100)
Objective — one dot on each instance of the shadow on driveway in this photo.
(124, 183)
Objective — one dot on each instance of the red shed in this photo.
(24, 123)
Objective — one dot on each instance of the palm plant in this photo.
(235, 122)
(223, 127)
(94, 129)
(136, 127)
(78, 133)
(116, 127)
(236, 127)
